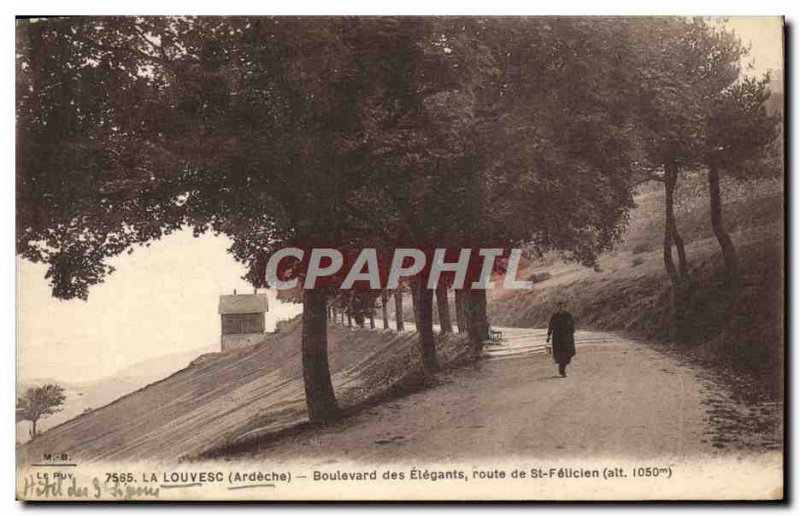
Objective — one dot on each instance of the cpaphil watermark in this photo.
(293, 267)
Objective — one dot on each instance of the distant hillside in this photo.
(221, 400)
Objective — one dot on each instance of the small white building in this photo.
(243, 319)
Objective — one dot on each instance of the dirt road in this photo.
(621, 398)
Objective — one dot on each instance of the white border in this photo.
(338, 7)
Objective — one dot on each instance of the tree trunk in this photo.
(415, 300)
(398, 309)
(681, 292)
(33, 428)
(349, 319)
(320, 398)
(475, 319)
(726, 244)
(683, 269)
(670, 177)
(371, 320)
(460, 311)
(443, 306)
(423, 307)
(483, 317)
(385, 309)
(472, 322)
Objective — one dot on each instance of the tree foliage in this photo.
(742, 133)
(39, 402)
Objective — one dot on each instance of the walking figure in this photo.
(562, 329)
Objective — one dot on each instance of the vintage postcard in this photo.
(400, 258)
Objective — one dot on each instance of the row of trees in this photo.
(360, 132)
(361, 306)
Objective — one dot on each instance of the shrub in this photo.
(637, 260)
(641, 248)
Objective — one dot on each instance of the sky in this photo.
(163, 299)
(764, 35)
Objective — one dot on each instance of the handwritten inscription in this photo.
(66, 486)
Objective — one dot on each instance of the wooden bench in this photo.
(495, 335)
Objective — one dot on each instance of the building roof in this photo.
(243, 304)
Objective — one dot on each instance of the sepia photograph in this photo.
(400, 258)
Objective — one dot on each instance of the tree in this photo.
(40, 402)
(131, 128)
(88, 137)
(684, 65)
(682, 68)
(740, 134)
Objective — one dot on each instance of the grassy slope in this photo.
(630, 291)
(223, 400)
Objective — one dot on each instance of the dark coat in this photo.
(562, 329)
